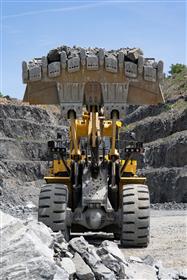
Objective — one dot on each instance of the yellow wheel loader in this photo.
(89, 186)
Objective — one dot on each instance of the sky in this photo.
(31, 28)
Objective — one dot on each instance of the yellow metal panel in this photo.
(131, 166)
(140, 91)
(132, 180)
(58, 166)
(59, 180)
(82, 128)
(107, 130)
(41, 92)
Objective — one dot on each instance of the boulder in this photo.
(79, 244)
(183, 273)
(68, 265)
(140, 271)
(167, 273)
(89, 254)
(113, 249)
(83, 271)
(102, 272)
(112, 263)
(26, 250)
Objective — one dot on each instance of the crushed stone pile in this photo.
(30, 250)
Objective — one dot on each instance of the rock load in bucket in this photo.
(129, 61)
(124, 75)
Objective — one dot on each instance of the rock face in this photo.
(163, 129)
(31, 251)
(24, 132)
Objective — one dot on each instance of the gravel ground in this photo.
(168, 238)
(169, 206)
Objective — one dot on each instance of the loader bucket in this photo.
(125, 77)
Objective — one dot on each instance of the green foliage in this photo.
(168, 107)
(126, 127)
(179, 105)
(177, 68)
(1, 95)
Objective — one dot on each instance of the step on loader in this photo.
(90, 187)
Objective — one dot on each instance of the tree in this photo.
(176, 68)
(1, 95)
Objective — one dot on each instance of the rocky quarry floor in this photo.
(29, 250)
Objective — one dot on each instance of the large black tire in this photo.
(135, 216)
(53, 202)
